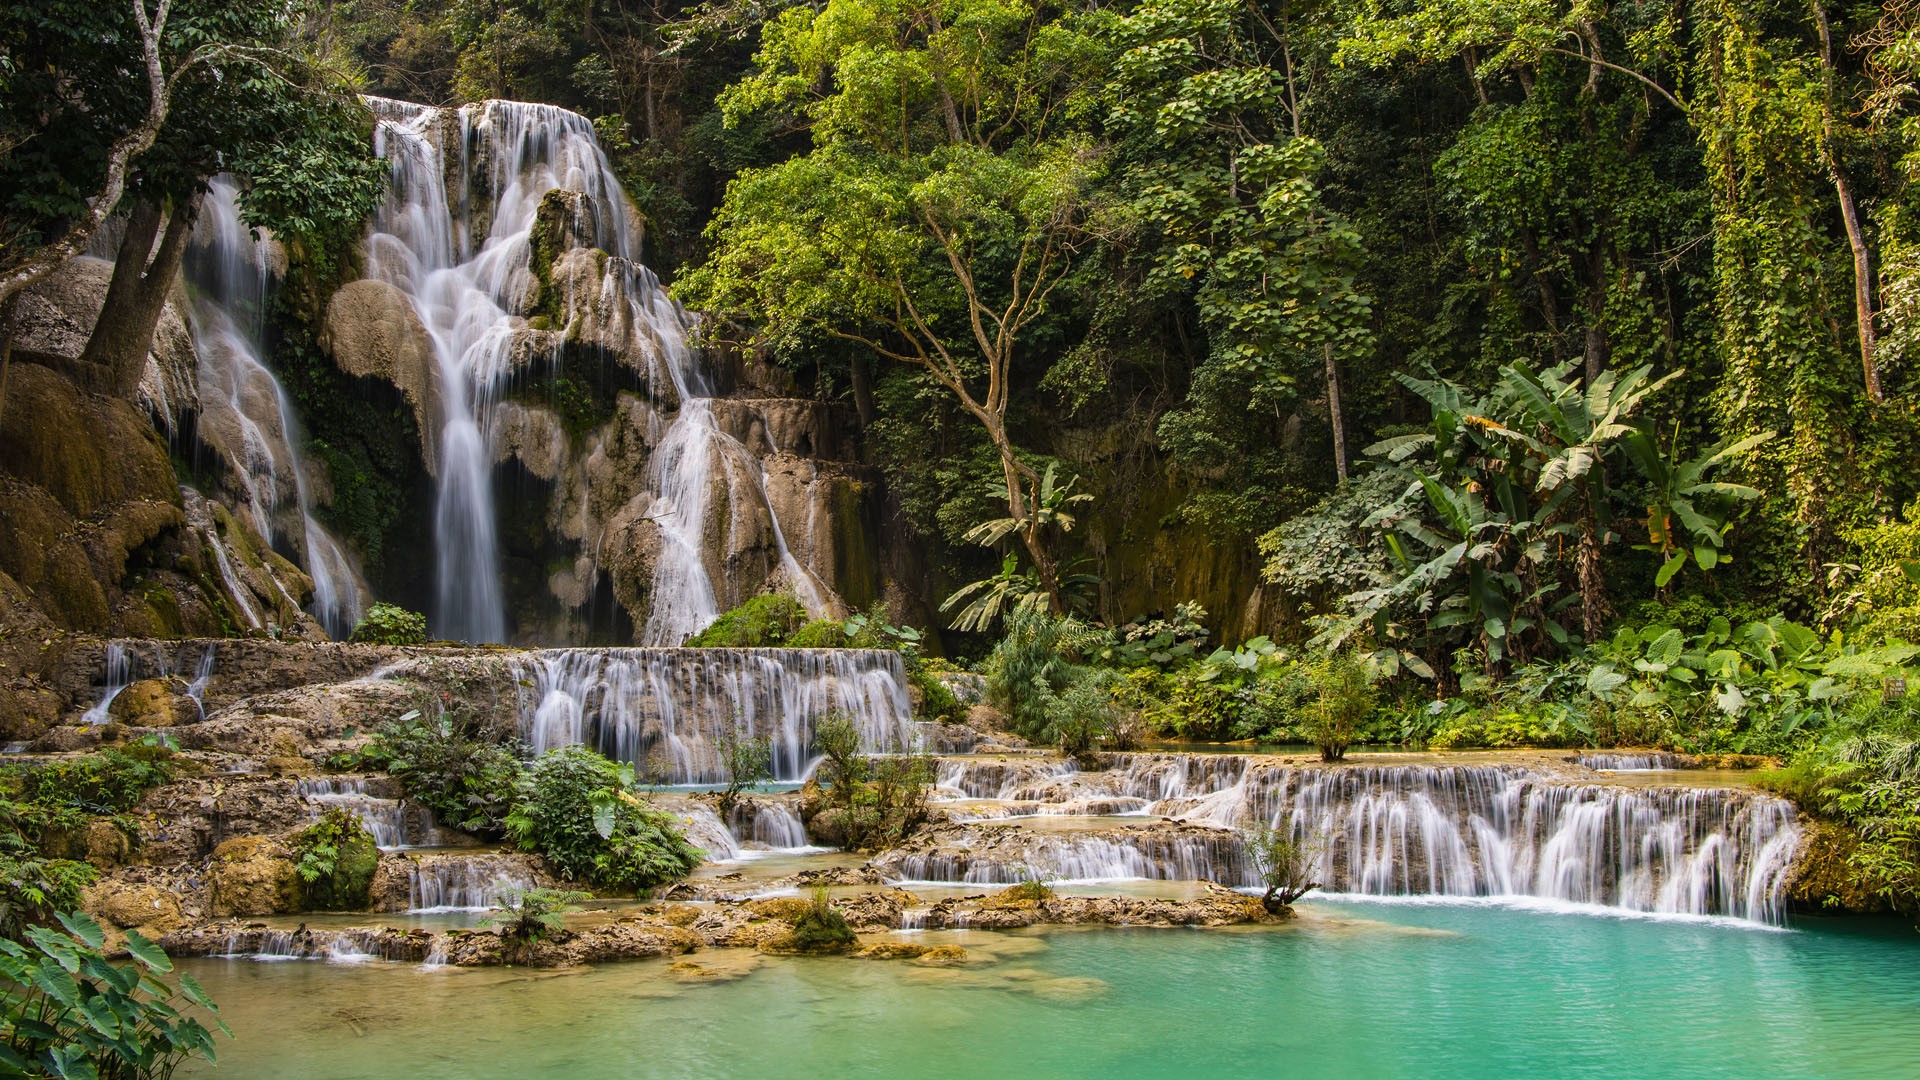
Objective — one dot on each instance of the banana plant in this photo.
(1688, 514)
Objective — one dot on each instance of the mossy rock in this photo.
(1824, 878)
(253, 875)
(347, 888)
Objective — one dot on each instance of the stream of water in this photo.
(1349, 990)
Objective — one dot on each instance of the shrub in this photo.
(1503, 731)
(111, 781)
(527, 916)
(1032, 887)
(1034, 665)
(578, 810)
(747, 761)
(336, 861)
(876, 801)
(819, 634)
(1284, 865)
(468, 782)
(1343, 698)
(762, 622)
(67, 1011)
(821, 929)
(390, 624)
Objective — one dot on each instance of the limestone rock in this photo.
(55, 318)
(154, 703)
(371, 332)
(253, 875)
(150, 909)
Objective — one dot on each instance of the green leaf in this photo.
(1672, 567)
(1707, 557)
(154, 957)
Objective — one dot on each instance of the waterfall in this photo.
(349, 946)
(665, 710)
(119, 677)
(1455, 831)
(394, 824)
(202, 677)
(446, 883)
(463, 261)
(1652, 761)
(245, 413)
(769, 824)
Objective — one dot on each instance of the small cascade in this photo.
(997, 778)
(446, 883)
(350, 946)
(1462, 831)
(202, 677)
(1651, 761)
(246, 417)
(664, 710)
(1187, 855)
(769, 823)
(395, 824)
(705, 830)
(119, 676)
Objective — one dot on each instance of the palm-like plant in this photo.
(990, 599)
(1686, 512)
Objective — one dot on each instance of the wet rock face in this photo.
(372, 332)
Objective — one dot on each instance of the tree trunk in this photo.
(122, 337)
(1593, 589)
(7, 309)
(1850, 215)
(862, 390)
(1336, 419)
(123, 150)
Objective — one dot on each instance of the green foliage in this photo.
(579, 811)
(764, 621)
(1034, 668)
(821, 929)
(1283, 863)
(390, 624)
(528, 916)
(746, 761)
(469, 782)
(336, 860)
(875, 802)
(1032, 888)
(67, 1011)
(1343, 699)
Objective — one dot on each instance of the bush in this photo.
(111, 781)
(1282, 864)
(1034, 665)
(469, 783)
(873, 801)
(390, 624)
(747, 762)
(578, 810)
(528, 916)
(1343, 699)
(1503, 731)
(820, 929)
(67, 1011)
(819, 634)
(762, 622)
(336, 861)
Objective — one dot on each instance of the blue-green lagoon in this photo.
(1349, 989)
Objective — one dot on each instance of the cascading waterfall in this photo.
(447, 883)
(467, 290)
(119, 677)
(1652, 761)
(1457, 831)
(394, 824)
(246, 410)
(665, 710)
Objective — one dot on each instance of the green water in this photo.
(1352, 990)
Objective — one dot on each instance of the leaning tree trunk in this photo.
(116, 354)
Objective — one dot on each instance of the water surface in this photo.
(1351, 990)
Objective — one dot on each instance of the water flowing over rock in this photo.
(1650, 761)
(509, 237)
(1457, 830)
(665, 710)
(448, 881)
(394, 823)
(245, 416)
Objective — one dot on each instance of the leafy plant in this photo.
(579, 810)
(868, 802)
(69, 1012)
(821, 929)
(761, 622)
(1343, 698)
(1283, 864)
(336, 860)
(528, 916)
(390, 624)
(468, 782)
(747, 761)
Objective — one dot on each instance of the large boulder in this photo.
(371, 332)
(128, 905)
(253, 875)
(55, 318)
